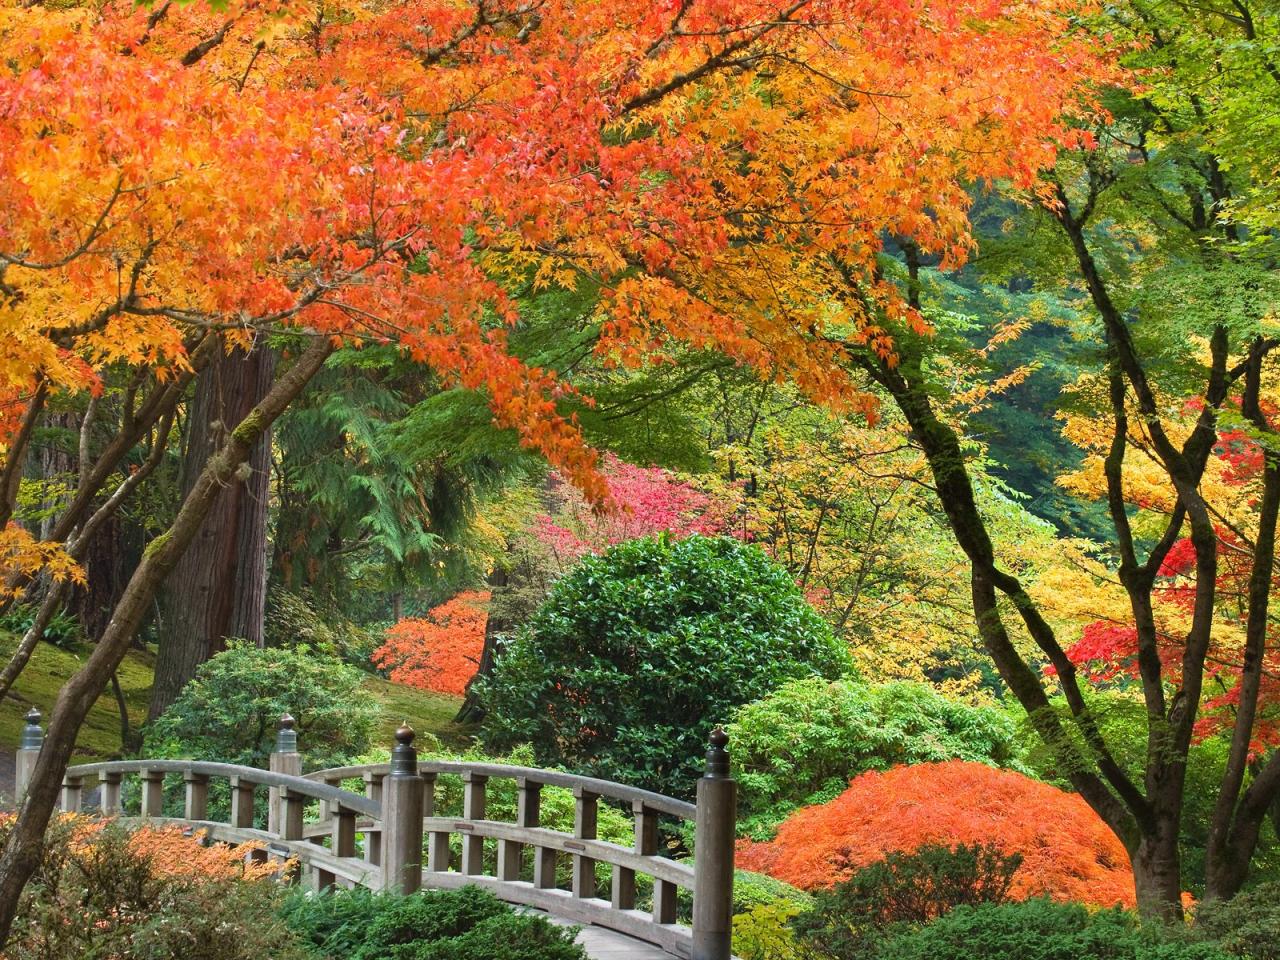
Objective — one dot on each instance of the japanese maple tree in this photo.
(1067, 851)
(440, 651)
(643, 501)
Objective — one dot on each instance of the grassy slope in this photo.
(100, 736)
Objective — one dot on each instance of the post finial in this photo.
(286, 735)
(32, 735)
(404, 758)
(717, 755)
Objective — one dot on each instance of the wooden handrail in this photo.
(355, 802)
(550, 778)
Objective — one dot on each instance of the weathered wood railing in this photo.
(377, 838)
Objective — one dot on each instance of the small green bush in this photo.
(751, 890)
(231, 710)
(911, 888)
(1039, 930)
(804, 742)
(466, 924)
(764, 933)
(639, 652)
(98, 898)
(1248, 925)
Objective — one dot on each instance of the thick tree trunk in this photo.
(1157, 872)
(218, 589)
(21, 853)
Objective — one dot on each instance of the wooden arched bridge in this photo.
(392, 836)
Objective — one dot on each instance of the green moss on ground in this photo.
(40, 682)
(99, 738)
(426, 712)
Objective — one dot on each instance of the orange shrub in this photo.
(441, 651)
(171, 851)
(1067, 851)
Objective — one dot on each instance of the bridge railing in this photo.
(409, 839)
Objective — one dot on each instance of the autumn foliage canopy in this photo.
(1068, 853)
(440, 651)
(179, 176)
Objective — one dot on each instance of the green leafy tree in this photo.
(640, 651)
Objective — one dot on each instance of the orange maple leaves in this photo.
(440, 651)
(377, 175)
(1068, 852)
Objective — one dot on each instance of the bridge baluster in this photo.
(196, 805)
(152, 793)
(586, 815)
(373, 839)
(72, 788)
(402, 808)
(511, 852)
(343, 841)
(713, 850)
(473, 808)
(292, 807)
(109, 794)
(241, 802)
(623, 893)
(437, 840)
(284, 759)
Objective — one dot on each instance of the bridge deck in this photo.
(602, 944)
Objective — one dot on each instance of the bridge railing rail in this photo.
(396, 834)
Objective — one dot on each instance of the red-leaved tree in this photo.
(1067, 851)
(441, 651)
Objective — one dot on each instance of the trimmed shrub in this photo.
(804, 742)
(1247, 925)
(638, 653)
(1039, 929)
(466, 924)
(905, 888)
(1068, 852)
(100, 891)
(231, 710)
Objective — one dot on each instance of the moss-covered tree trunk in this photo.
(218, 589)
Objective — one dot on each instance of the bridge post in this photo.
(403, 792)
(28, 750)
(713, 855)
(284, 759)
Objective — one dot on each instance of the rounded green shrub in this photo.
(639, 652)
(231, 710)
(466, 924)
(804, 742)
(910, 888)
(1039, 929)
